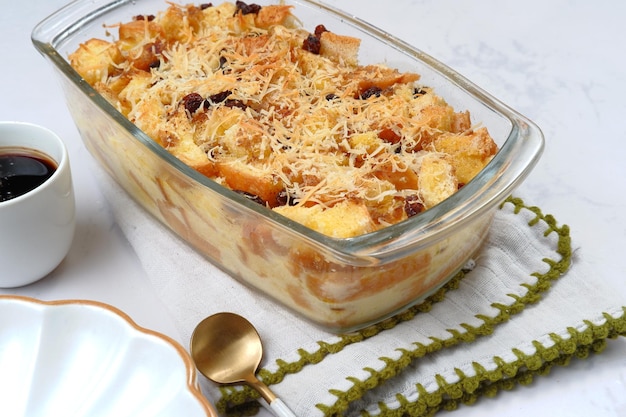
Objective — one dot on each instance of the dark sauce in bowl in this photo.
(23, 170)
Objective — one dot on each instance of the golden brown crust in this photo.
(287, 116)
(437, 179)
(273, 15)
(469, 152)
(340, 48)
(95, 60)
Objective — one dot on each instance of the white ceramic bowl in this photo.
(83, 358)
(36, 228)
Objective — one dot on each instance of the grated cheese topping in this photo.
(286, 115)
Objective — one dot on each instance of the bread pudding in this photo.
(287, 115)
(284, 151)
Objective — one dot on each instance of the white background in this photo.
(561, 63)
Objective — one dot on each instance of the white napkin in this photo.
(415, 361)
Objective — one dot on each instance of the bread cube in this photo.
(470, 152)
(343, 220)
(95, 60)
(340, 48)
(436, 179)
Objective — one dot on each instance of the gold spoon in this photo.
(227, 349)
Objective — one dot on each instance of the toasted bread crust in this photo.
(272, 110)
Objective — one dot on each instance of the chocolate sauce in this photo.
(22, 170)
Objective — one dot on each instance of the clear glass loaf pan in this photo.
(339, 284)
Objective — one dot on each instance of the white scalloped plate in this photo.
(84, 358)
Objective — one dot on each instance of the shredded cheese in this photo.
(322, 127)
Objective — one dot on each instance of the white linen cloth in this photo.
(516, 253)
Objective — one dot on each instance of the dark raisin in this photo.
(247, 8)
(319, 29)
(372, 91)
(460, 185)
(220, 97)
(192, 102)
(417, 92)
(205, 6)
(312, 44)
(251, 197)
(412, 206)
(284, 198)
(331, 96)
(217, 98)
(149, 17)
(223, 62)
(235, 103)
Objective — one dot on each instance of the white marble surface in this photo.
(560, 63)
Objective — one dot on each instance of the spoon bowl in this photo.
(227, 349)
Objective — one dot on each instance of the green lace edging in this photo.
(236, 402)
(508, 375)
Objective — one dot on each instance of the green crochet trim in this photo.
(236, 402)
(522, 371)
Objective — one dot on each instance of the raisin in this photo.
(312, 44)
(330, 97)
(192, 102)
(220, 97)
(284, 198)
(235, 103)
(412, 206)
(251, 197)
(149, 17)
(319, 29)
(372, 91)
(247, 8)
(205, 6)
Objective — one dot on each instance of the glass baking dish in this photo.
(340, 284)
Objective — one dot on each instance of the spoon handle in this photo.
(276, 405)
(280, 409)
